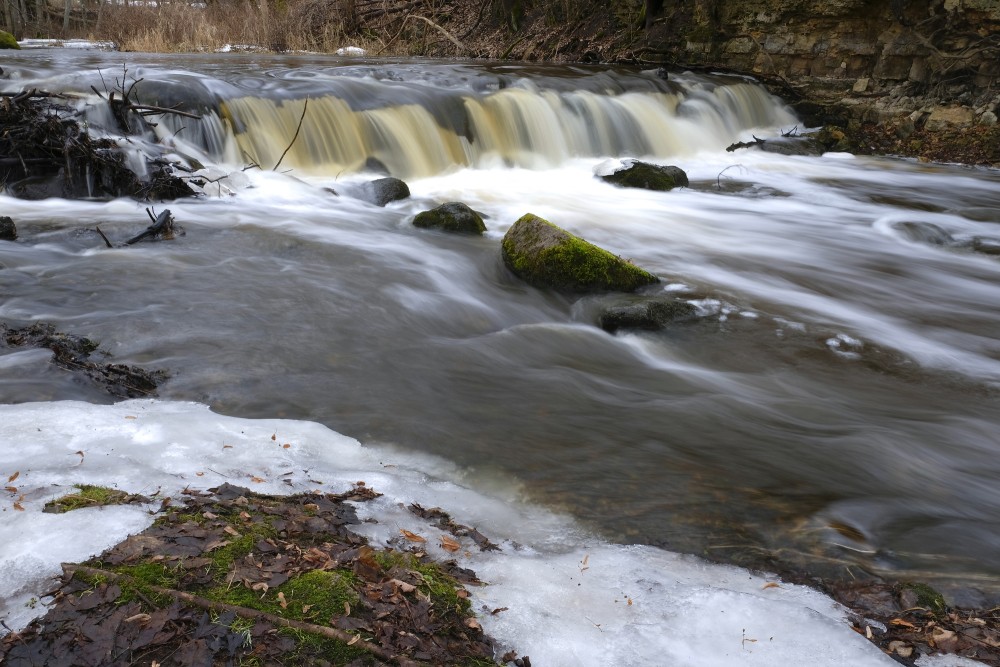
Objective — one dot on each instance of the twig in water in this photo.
(305, 105)
(106, 241)
(718, 179)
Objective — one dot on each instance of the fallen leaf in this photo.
(413, 537)
(472, 624)
(311, 507)
(199, 474)
(255, 479)
(140, 618)
(130, 417)
(462, 593)
(498, 610)
(274, 436)
(227, 446)
(902, 649)
(583, 563)
(306, 608)
(449, 544)
(13, 477)
(232, 531)
(354, 641)
(209, 515)
(281, 600)
(402, 585)
(347, 608)
(81, 455)
(630, 602)
(899, 622)
(259, 586)
(12, 489)
(18, 507)
(770, 584)
(245, 515)
(286, 445)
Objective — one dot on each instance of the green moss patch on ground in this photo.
(232, 577)
(89, 495)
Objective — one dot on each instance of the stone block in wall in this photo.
(920, 71)
(988, 74)
(800, 66)
(944, 117)
(741, 45)
(896, 68)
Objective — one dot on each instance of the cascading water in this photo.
(413, 131)
(832, 408)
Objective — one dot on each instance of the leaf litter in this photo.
(229, 577)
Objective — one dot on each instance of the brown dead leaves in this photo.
(398, 605)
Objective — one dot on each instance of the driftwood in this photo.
(163, 227)
(744, 144)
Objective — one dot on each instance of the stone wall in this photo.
(862, 60)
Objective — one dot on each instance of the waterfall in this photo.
(524, 125)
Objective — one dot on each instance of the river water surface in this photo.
(834, 407)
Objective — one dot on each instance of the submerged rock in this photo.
(986, 246)
(453, 217)
(8, 232)
(651, 314)
(384, 190)
(636, 174)
(925, 232)
(545, 255)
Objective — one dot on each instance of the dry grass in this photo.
(546, 29)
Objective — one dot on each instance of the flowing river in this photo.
(833, 408)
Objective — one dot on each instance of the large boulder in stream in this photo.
(8, 231)
(381, 191)
(8, 41)
(545, 255)
(453, 217)
(637, 174)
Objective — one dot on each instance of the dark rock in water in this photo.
(384, 190)
(544, 255)
(986, 246)
(376, 166)
(451, 217)
(925, 232)
(636, 174)
(799, 145)
(73, 353)
(8, 232)
(651, 314)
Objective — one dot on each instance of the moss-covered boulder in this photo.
(453, 217)
(636, 174)
(545, 255)
(8, 231)
(7, 41)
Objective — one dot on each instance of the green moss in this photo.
(433, 580)
(547, 256)
(138, 581)
(86, 496)
(308, 645)
(7, 41)
(927, 597)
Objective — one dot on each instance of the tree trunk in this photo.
(68, 7)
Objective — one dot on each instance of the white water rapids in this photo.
(834, 406)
